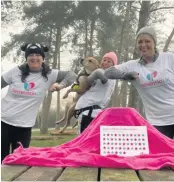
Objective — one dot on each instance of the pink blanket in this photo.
(84, 150)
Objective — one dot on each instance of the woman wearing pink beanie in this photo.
(98, 96)
(108, 59)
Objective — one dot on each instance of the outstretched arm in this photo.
(79, 88)
(114, 73)
(66, 77)
(110, 73)
(97, 74)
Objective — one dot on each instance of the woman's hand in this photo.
(131, 75)
(114, 73)
(56, 87)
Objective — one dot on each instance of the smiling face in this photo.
(145, 45)
(106, 63)
(34, 61)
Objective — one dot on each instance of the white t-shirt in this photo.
(21, 104)
(155, 86)
(99, 94)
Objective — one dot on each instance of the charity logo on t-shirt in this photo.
(151, 76)
(154, 79)
(29, 86)
(26, 89)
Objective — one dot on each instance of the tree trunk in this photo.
(143, 19)
(123, 95)
(124, 86)
(58, 93)
(143, 14)
(168, 41)
(121, 99)
(42, 123)
(48, 98)
(114, 95)
(91, 37)
(86, 37)
(46, 103)
(57, 66)
(38, 119)
(45, 113)
(126, 19)
(56, 52)
(49, 45)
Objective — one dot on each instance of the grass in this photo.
(41, 141)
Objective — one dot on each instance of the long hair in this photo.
(25, 71)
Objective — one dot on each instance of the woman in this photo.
(98, 96)
(28, 84)
(155, 83)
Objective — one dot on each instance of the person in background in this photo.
(98, 96)
(28, 84)
(155, 80)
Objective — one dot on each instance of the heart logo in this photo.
(151, 76)
(29, 86)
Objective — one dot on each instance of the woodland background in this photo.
(83, 28)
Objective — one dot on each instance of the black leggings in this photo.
(166, 130)
(86, 120)
(11, 135)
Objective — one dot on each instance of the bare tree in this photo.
(168, 41)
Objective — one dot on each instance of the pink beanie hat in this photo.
(112, 56)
